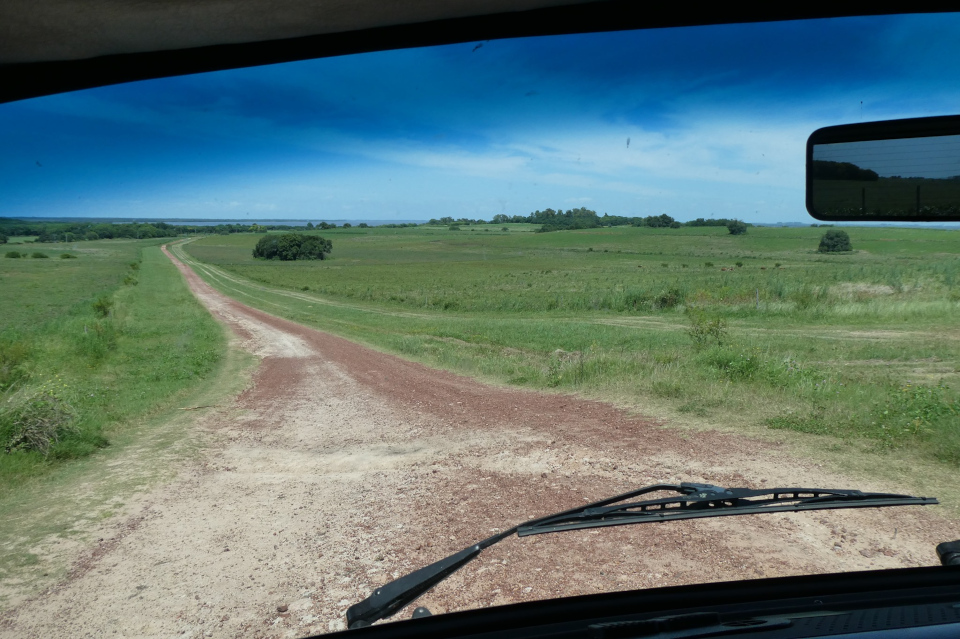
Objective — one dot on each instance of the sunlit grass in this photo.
(812, 343)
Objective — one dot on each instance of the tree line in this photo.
(549, 219)
(77, 231)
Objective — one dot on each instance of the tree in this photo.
(835, 242)
(292, 246)
(736, 227)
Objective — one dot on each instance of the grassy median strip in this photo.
(757, 329)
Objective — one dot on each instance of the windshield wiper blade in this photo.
(703, 500)
(693, 502)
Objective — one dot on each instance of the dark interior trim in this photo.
(28, 80)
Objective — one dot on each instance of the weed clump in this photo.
(36, 421)
(67, 256)
(670, 298)
(102, 306)
(13, 254)
(705, 329)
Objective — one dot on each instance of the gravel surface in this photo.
(341, 468)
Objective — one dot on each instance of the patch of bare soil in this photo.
(342, 468)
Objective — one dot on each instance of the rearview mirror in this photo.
(897, 170)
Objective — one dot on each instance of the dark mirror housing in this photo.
(891, 171)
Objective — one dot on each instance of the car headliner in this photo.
(53, 46)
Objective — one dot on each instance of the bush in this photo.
(3, 238)
(835, 242)
(669, 298)
(36, 421)
(102, 306)
(292, 246)
(736, 227)
(67, 256)
(363, 225)
(37, 255)
(704, 329)
(13, 254)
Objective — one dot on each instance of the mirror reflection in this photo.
(910, 178)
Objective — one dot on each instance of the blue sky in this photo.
(694, 122)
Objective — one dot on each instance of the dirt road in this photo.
(341, 468)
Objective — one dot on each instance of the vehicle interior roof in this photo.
(61, 45)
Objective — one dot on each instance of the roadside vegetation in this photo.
(89, 343)
(759, 328)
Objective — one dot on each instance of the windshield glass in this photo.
(274, 337)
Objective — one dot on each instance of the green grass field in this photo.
(859, 346)
(89, 346)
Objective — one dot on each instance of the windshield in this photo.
(274, 337)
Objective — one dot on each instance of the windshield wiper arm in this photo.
(694, 501)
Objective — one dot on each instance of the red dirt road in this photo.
(341, 468)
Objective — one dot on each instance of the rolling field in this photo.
(862, 346)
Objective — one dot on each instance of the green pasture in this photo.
(90, 345)
(864, 345)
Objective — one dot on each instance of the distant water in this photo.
(177, 220)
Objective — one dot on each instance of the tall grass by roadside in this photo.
(107, 357)
(789, 340)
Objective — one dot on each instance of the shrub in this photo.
(739, 264)
(454, 227)
(704, 329)
(708, 264)
(3, 238)
(363, 225)
(736, 227)
(347, 225)
(36, 421)
(67, 256)
(835, 242)
(102, 306)
(505, 229)
(39, 256)
(669, 298)
(13, 254)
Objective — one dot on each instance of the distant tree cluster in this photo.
(835, 242)
(826, 170)
(292, 246)
(80, 231)
(720, 221)
(583, 218)
(449, 221)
